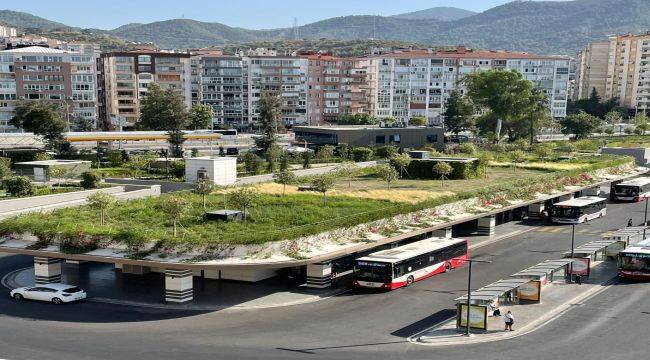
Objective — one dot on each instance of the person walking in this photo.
(629, 223)
(509, 319)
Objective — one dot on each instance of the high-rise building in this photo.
(64, 76)
(592, 69)
(222, 87)
(406, 84)
(125, 76)
(7, 31)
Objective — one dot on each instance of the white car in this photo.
(54, 293)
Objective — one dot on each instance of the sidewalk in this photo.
(557, 298)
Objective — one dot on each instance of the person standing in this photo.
(629, 223)
(509, 319)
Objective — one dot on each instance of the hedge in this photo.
(423, 169)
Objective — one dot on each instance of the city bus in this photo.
(634, 262)
(632, 190)
(578, 210)
(401, 266)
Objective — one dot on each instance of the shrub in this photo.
(567, 147)
(5, 168)
(18, 186)
(307, 156)
(628, 130)
(423, 169)
(90, 180)
(325, 153)
(587, 145)
(386, 152)
(639, 131)
(362, 154)
(177, 169)
(115, 158)
(467, 148)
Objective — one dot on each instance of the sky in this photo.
(251, 14)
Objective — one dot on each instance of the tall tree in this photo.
(537, 115)
(581, 125)
(458, 114)
(270, 108)
(43, 119)
(164, 110)
(200, 117)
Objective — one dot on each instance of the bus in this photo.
(403, 265)
(578, 210)
(633, 190)
(633, 263)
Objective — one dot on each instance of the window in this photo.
(395, 139)
(432, 138)
(380, 139)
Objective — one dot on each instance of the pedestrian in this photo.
(509, 319)
(629, 223)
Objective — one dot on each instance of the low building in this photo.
(401, 137)
(220, 170)
(41, 170)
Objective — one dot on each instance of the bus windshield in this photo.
(626, 190)
(373, 271)
(634, 262)
(566, 212)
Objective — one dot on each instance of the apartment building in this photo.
(222, 87)
(592, 69)
(335, 86)
(7, 31)
(412, 83)
(65, 76)
(125, 76)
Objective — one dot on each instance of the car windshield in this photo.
(566, 212)
(72, 290)
(626, 190)
(373, 271)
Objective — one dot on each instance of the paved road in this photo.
(355, 325)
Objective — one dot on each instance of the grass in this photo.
(43, 190)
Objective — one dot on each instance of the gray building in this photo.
(402, 137)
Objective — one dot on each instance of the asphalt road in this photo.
(355, 325)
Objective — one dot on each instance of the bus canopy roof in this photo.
(494, 290)
(543, 269)
(411, 250)
(592, 247)
(581, 201)
(640, 248)
(640, 181)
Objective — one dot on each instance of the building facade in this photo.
(63, 76)
(401, 137)
(7, 31)
(125, 76)
(592, 69)
(222, 87)
(417, 83)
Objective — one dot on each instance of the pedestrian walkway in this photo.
(557, 298)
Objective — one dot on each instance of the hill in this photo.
(28, 21)
(442, 13)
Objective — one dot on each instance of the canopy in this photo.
(494, 290)
(543, 269)
(592, 247)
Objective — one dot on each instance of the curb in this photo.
(524, 330)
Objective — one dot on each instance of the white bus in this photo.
(579, 210)
(632, 190)
(401, 266)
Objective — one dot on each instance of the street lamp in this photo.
(645, 216)
(469, 289)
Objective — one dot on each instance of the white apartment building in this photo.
(7, 31)
(417, 82)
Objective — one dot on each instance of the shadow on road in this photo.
(425, 323)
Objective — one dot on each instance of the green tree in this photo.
(323, 184)
(203, 187)
(5, 168)
(360, 154)
(613, 117)
(165, 110)
(284, 178)
(517, 157)
(244, 198)
(58, 173)
(483, 164)
(101, 201)
(139, 163)
(307, 156)
(90, 180)
(543, 151)
(458, 114)
(401, 162)
(388, 174)
(348, 170)
(175, 207)
(418, 121)
(272, 156)
(18, 186)
(537, 114)
(581, 125)
(43, 119)
(325, 153)
(442, 169)
(200, 117)
(357, 119)
(270, 109)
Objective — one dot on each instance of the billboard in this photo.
(580, 266)
(477, 316)
(531, 290)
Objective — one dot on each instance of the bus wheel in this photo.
(409, 280)
(447, 267)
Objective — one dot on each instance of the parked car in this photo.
(54, 293)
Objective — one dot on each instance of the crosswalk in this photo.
(567, 230)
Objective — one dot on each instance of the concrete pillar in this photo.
(443, 233)
(179, 285)
(319, 275)
(566, 197)
(47, 270)
(486, 225)
(535, 210)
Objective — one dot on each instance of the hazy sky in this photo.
(252, 14)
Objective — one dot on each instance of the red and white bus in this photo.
(634, 262)
(401, 266)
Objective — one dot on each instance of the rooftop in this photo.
(581, 201)
(463, 53)
(34, 50)
(53, 162)
(411, 250)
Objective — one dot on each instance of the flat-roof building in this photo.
(402, 137)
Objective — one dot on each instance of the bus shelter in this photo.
(546, 272)
(598, 250)
(630, 235)
(500, 292)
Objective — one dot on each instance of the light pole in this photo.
(645, 216)
(469, 289)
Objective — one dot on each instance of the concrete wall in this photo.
(45, 200)
(641, 155)
(165, 186)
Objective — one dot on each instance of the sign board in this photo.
(531, 290)
(580, 266)
(477, 316)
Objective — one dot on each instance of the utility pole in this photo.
(645, 217)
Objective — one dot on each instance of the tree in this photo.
(138, 163)
(175, 207)
(360, 154)
(244, 198)
(58, 173)
(613, 117)
(272, 156)
(284, 178)
(418, 121)
(43, 119)
(483, 164)
(543, 151)
(387, 173)
(5, 168)
(164, 110)
(443, 170)
(348, 170)
(101, 201)
(401, 162)
(459, 112)
(537, 114)
(581, 125)
(357, 119)
(518, 157)
(203, 187)
(323, 184)
(90, 180)
(251, 164)
(270, 108)
(307, 156)
(18, 186)
(200, 117)
(325, 153)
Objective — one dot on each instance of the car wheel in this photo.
(18, 297)
(447, 267)
(410, 280)
(57, 301)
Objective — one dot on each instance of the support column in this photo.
(179, 285)
(47, 270)
(486, 225)
(535, 211)
(594, 191)
(443, 233)
(319, 275)
(566, 197)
